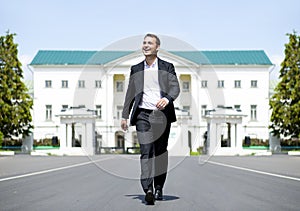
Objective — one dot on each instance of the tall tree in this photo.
(15, 102)
(285, 103)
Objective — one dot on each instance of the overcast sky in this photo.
(96, 24)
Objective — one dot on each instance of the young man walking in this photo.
(152, 88)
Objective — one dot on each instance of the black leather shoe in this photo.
(149, 198)
(158, 195)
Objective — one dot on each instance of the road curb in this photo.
(7, 153)
(294, 153)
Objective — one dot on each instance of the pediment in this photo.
(137, 56)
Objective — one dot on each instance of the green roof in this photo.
(248, 57)
(77, 57)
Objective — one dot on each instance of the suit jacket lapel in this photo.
(162, 78)
(159, 71)
(139, 82)
(161, 68)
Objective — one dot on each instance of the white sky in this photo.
(96, 24)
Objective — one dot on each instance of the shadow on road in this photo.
(142, 197)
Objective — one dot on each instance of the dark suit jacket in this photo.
(169, 88)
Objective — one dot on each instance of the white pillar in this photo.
(179, 146)
(63, 136)
(239, 136)
(219, 130)
(274, 143)
(84, 140)
(184, 142)
(69, 135)
(213, 136)
(128, 142)
(235, 136)
(27, 143)
(90, 138)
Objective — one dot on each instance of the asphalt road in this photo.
(110, 182)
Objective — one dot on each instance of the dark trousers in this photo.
(153, 131)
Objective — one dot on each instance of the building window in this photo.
(120, 141)
(203, 110)
(237, 107)
(119, 112)
(99, 111)
(186, 109)
(81, 84)
(253, 112)
(237, 84)
(185, 86)
(98, 83)
(254, 84)
(64, 84)
(48, 84)
(220, 84)
(64, 107)
(119, 86)
(48, 112)
(204, 84)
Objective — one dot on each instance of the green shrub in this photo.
(256, 142)
(45, 142)
(11, 142)
(290, 142)
(194, 153)
(198, 152)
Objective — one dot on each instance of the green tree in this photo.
(15, 102)
(285, 103)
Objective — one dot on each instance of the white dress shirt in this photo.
(151, 93)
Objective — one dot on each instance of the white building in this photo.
(97, 80)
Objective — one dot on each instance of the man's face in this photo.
(149, 46)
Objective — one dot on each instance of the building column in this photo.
(83, 138)
(63, 131)
(184, 136)
(179, 146)
(68, 136)
(90, 138)
(239, 137)
(128, 142)
(213, 138)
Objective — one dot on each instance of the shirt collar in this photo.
(154, 65)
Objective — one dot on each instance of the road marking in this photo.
(255, 171)
(52, 170)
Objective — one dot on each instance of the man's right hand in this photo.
(124, 125)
